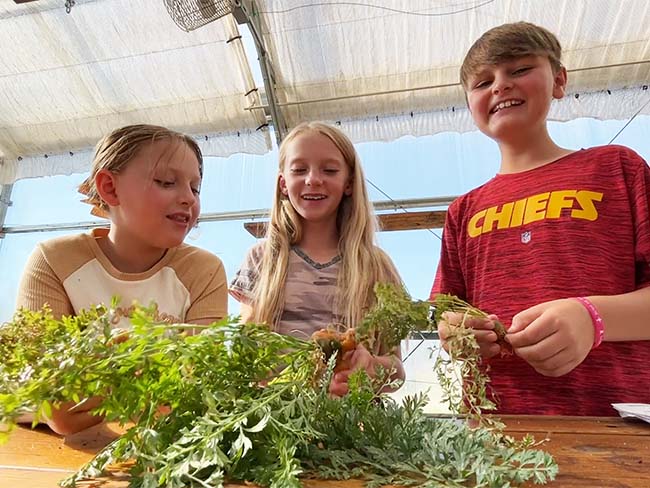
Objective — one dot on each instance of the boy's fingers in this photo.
(485, 336)
(524, 318)
(450, 316)
(481, 324)
(490, 350)
(555, 364)
(443, 331)
(456, 319)
(541, 351)
(534, 333)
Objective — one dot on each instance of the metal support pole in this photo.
(5, 202)
(245, 12)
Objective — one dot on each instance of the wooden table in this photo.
(591, 452)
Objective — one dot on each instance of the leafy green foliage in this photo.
(245, 404)
(386, 443)
(462, 377)
(392, 319)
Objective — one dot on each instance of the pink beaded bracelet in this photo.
(596, 320)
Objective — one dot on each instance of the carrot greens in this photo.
(246, 404)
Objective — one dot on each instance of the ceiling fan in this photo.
(192, 14)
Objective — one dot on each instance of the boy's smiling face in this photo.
(512, 99)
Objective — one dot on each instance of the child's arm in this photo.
(556, 336)
(245, 312)
(241, 287)
(209, 292)
(39, 285)
(627, 316)
(70, 417)
(450, 279)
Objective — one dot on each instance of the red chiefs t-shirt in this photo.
(578, 226)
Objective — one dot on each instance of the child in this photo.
(319, 263)
(557, 244)
(146, 180)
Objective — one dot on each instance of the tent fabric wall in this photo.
(616, 104)
(247, 141)
(336, 49)
(67, 79)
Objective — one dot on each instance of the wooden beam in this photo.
(256, 229)
(413, 220)
(387, 222)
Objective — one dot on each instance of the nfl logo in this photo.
(525, 237)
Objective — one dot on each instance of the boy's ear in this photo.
(560, 83)
(106, 187)
(283, 185)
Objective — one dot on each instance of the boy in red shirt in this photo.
(557, 244)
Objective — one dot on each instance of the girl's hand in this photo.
(71, 417)
(360, 358)
(119, 336)
(483, 331)
(553, 337)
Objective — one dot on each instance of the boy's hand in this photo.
(553, 337)
(360, 358)
(483, 331)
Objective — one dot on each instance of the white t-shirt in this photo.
(72, 273)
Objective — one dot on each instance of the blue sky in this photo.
(432, 166)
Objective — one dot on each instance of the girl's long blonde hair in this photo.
(362, 265)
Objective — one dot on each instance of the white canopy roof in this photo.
(67, 79)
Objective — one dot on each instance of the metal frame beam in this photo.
(5, 203)
(246, 12)
(421, 88)
(380, 206)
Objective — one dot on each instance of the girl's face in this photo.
(158, 195)
(315, 177)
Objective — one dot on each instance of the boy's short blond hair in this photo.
(510, 41)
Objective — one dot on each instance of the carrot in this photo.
(330, 341)
(506, 347)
